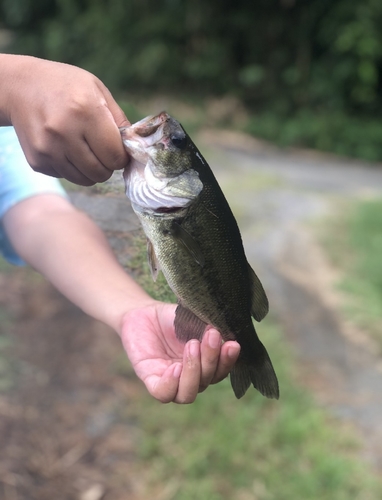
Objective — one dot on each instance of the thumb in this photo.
(117, 113)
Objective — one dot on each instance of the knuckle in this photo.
(79, 104)
(39, 150)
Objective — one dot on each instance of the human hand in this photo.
(66, 119)
(171, 370)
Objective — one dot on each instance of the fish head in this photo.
(160, 174)
(161, 140)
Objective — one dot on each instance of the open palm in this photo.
(171, 370)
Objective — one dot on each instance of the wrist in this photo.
(119, 317)
(14, 68)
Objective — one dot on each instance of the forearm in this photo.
(69, 249)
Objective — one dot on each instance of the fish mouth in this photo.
(149, 132)
(150, 129)
(149, 125)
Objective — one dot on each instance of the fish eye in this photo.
(179, 141)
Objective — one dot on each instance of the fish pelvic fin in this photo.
(261, 374)
(187, 325)
(152, 260)
(260, 304)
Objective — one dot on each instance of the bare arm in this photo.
(64, 245)
(66, 119)
(68, 248)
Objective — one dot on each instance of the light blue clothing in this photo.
(17, 182)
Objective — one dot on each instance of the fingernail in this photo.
(214, 339)
(194, 348)
(233, 351)
(177, 370)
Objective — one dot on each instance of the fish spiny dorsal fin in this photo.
(260, 305)
(153, 261)
(187, 325)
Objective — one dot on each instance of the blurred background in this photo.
(307, 72)
(283, 97)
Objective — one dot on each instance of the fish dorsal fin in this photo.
(187, 325)
(153, 261)
(188, 242)
(260, 305)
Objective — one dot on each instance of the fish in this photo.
(194, 239)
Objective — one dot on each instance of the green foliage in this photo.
(336, 132)
(285, 52)
(312, 68)
(354, 241)
(365, 235)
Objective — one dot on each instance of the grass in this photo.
(219, 448)
(353, 239)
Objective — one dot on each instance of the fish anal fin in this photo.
(153, 261)
(188, 242)
(187, 325)
(260, 304)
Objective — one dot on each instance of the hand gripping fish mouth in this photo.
(153, 142)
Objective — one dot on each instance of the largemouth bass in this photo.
(194, 239)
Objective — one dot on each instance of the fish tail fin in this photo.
(261, 374)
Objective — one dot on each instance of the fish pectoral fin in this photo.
(187, 325)
(188, 242)
(153, 261)
(260, 305)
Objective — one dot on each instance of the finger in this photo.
(68, 157)
(165, 388)
(228, 356)
(190, 378)
(63, 168)
(106, 144)
(104, 137)
(210, 351)
(117, 113)
(84, 163)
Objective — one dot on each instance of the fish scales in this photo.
(194, 239)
